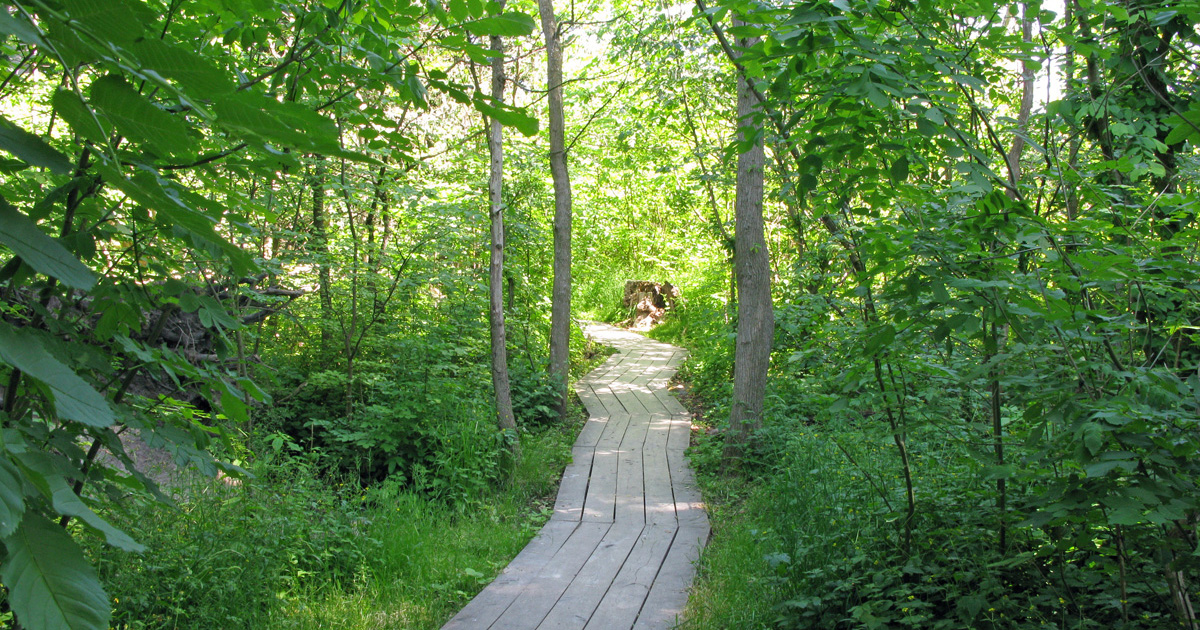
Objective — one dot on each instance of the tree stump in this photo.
(648, 302)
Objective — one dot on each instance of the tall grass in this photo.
(293, 549)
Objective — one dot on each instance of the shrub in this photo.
(224, 557)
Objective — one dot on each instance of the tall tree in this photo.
(756, 317)
(500, 381)
(319, 248)
(560, 307)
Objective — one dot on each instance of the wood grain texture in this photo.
(619, 551)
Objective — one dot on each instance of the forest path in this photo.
(628, 525)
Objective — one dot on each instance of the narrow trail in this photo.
(628, 525)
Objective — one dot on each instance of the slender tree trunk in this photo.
(756, 319)
(560, 303)
(320, 249)
(1018, 146)
(999, 327)
(500, 382)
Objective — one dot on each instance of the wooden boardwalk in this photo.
(628, 524)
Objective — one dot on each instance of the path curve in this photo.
(628, 524)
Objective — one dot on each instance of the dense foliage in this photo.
(984, 396)
(260, 229)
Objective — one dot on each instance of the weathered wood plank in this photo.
(572, 491)
(664, 604)
(493, 600)
(542, 591)
(580, 599)
(600, 502)
(631, 496)
(660, 495)
(621, 604)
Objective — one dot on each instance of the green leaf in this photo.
(1123, 510)
(899, 169)
(50, 478)
(193, 72)
(284, 124)
(19, 28)
(510, 117)
(877, 97)
(50, 584)
(880, 337)
(511, 24)
(111, 19)
(12, 502)
(79, 116)
(138, 119)
(415, 88)
(1185, 126)
(40, 251)
(1092, 435)
(31, 148)
(74, 398)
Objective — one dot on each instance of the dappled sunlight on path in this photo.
(628, 524)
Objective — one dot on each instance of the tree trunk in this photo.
(756, 319)
(500, 382)
(560, 304)
(320, 250)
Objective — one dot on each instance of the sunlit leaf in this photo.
(511, 24)
(31, 148)
(138, 119)
(41, 252)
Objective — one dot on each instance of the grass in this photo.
(433, 558)
(294, 549)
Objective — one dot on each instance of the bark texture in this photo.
(756, 317)
(500, 381)
(560, 299)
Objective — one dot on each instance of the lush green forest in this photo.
(317, 264)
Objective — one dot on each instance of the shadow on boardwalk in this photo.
(628, 525)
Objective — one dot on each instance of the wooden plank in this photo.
(589, 436)
(660, 495)
(621, 604)
(572, 490)
(575, 607)
(670, 402)
(600, 503)
(541, 593)
(631, 496)
(589, 399)
(689, 506)
(607, 393)
(494, 599)
(668, 596)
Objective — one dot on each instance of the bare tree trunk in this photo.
(500, 382)
(1018, 145)
(756, 319)
(560, 302)
(320, 249)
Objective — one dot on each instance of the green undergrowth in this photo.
(811, 533)
(297, 548)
